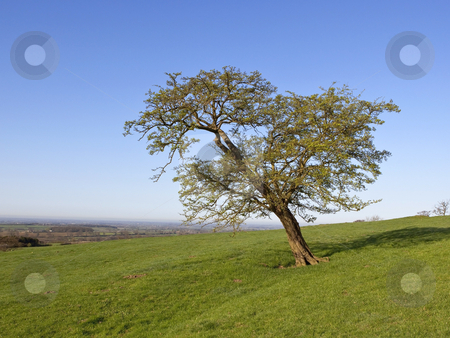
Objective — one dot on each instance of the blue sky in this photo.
(61, 144)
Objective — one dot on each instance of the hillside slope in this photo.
(214, 285)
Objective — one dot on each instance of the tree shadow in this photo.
(400, 238)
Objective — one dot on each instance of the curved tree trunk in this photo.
(300, 250)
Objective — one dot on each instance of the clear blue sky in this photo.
(61, 144)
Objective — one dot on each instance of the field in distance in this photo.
(215, 285)
(63, 233)
(71, 234)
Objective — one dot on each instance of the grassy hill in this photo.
(214, 285)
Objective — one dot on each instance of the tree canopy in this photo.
(281, 154)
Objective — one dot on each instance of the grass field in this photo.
(214, 285)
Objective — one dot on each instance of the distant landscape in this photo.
(48, 231)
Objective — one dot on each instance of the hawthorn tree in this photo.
(306, 153)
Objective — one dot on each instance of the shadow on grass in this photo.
(400, 238)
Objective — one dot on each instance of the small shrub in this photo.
(29, 240)
(424, 213)
(373, 218)
(359, 220)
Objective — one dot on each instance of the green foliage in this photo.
(308, 152)
(214, 285)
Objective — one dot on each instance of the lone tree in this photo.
(305, 155)
(442, 208)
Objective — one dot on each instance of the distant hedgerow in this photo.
(7, 242)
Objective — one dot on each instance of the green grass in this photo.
(189, 289)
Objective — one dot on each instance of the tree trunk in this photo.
(300, 250)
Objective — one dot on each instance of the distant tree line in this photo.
(71, 229)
